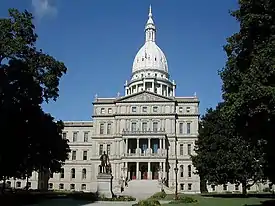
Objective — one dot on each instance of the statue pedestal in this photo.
(104, 185)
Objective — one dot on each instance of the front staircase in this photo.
(141, 189)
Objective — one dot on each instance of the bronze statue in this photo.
(105, 163)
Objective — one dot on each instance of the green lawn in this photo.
(227, 201)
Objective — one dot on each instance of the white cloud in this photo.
(44, 8)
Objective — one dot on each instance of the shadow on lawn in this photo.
(253, 195)
(47, 199)
(264, 203)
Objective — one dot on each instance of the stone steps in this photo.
(141, 189)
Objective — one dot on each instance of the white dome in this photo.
(150, 56)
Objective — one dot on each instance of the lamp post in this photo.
(161, 172)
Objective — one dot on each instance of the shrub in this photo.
(159, 195)
(184, 200)
(118, 198)
(148, 202)
(266, 189)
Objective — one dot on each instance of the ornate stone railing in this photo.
(148, 153)
(135, 132)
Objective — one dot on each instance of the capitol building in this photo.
(149, 133)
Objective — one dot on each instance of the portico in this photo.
(142, 170)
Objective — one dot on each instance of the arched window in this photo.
(62, 173)
(72, 173)
(181, 171)
(84, 174)
(189, 171)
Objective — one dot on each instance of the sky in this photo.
(98, 40)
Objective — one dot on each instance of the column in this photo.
(149, 143)
(160, 143)
(167, 91)
(118, 148)
(137, 171)
(115, 148)
(126, 148)
(164, 170)
(153, 85)
(164, 143)
(143, 85)
(149, 171)
(160, 170)
(137, 150)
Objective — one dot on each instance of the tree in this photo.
(249, 77)
(222, 156)
(30, 139)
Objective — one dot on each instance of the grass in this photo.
(227, 200)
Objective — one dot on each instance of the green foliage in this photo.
(249, 78)
(148, 202)
(159, 195)
(184, 200)
(221, 155)
(28, 77)
(122, 198)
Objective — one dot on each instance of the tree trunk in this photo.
(203, 186)
(4, 185)
(27, 183)
(244, 188)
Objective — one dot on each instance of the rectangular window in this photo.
(133, 126)
(144, 109)
(213, 188)
(189, 186)
(61, 186)
(108, 149)
(50, 186)
(237, 187)
(102, 111)
(180, 109)
(73, 155)
(188, 109)
(182, 187)
(18, 184)
(83, 187)
(155, 126)
(181, 171)
(181, 128)
(134, 109)
(224, 187)
(85, 155)
(101, 128)
(189, 171)
(109, 128)
(74, 136)
(109, 111)
(62, 173)
(144, 126)
(101, 149)
(188, 128)
(155, 109)
(64, 135)
(72, 186)
(189, 149)
(181, 149)
(86, 136)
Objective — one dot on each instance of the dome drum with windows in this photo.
(150, 68)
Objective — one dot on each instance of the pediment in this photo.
(144, 96)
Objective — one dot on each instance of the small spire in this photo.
(150, 11)
(150, 29)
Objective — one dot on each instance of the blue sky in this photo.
(98, 40)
